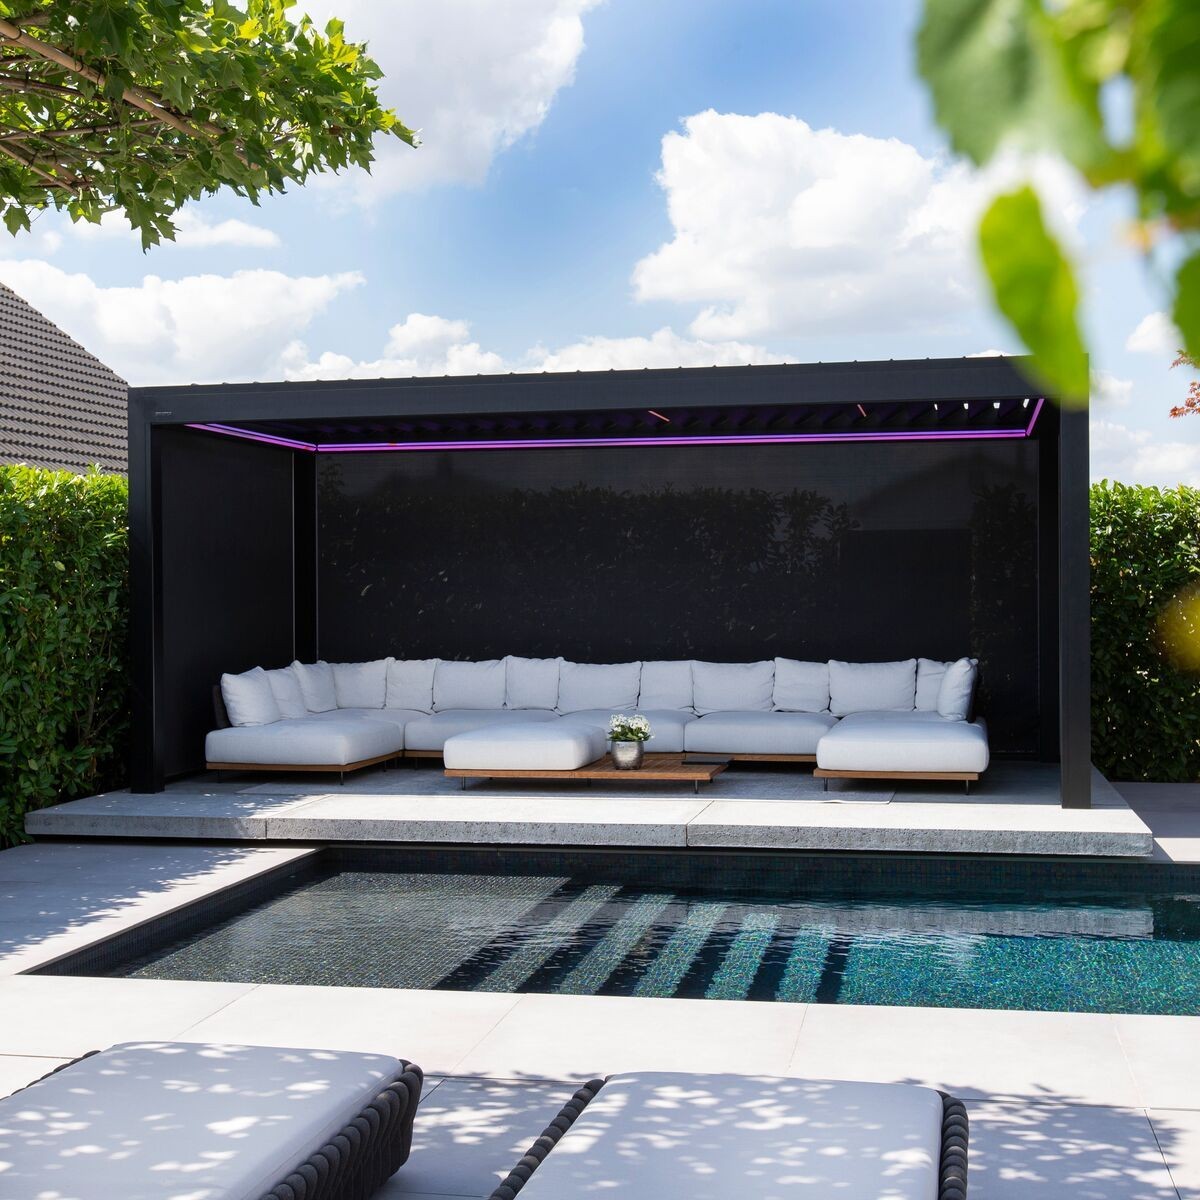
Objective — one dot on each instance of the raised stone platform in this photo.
(1014, 810)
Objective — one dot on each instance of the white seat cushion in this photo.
(157, 1121)
(872, 687)
(597, 685)
(732, 1137)
(557, 746)
(725, 687)
(431, 732)
(666, 725)
(315, 740)
(894, 741)
(757, 732)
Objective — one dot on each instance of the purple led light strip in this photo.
(728, 439)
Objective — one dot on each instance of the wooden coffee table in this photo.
(655, 768)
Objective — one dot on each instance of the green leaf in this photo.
(1187, 305)
(1000, 73)
(1170, 76)
(1035, 289)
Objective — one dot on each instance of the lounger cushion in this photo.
(757, 732)
(724, 687)
(304, 742)
(286, 688)
(531, 682)
(468, 684)
(249, 699)
(916, 741)
(598, 685)
(929, 680)
(360, 685)
(410, 683)
(666, 726)
(431, 732)
(561, 746)
(666, 685)
(872, 687)
(730, 1137)
(801, 686)
(162, 1120)
(316, 684)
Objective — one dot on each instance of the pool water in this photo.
(1080, 937)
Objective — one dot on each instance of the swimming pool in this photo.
(850, 929)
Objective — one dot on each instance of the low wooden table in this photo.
(655, 768)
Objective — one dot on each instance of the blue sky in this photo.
(617, 184)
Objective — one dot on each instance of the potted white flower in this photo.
(629, 736)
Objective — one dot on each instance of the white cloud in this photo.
(474, 76)
(201, 328)
(430, 345)
(781, 229)
(1155, 334)
(1109, 392)
(193, 232)
(1137, 456)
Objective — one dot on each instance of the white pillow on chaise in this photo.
(958, 689)
(360, 685)
(732, 687)
(666, 684)
(249, 699)
(531, 682)
(468, 684)
(872, 687)
(286, 689)
(930, 673)
(597, 685)
(316, 685)
(410, 683)
(800, 686)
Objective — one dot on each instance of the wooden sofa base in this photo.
(339, 769)
(964, 777)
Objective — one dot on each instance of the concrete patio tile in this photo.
(68, 1016)
(1052, 1151)
(1064, 1057)
(573, 818)
(1178, 1134)
(17, 1070)
(433, 1029)
(470, 1133)
(581, 1037)
(1164, 1056)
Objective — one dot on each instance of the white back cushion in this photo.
(666, 685)
(410, 683)
(286, 689)
(872, 687)
(958, 687)
(929, 681)
(316, 685)
(732, 687)
(530, 682)
(469, 684)
(360, 685)
(598, 685)
(249, 699)
(800, 686)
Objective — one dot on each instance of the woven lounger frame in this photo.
(952, 1169)
(356, 1162)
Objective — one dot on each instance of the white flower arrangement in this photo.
(628, 729)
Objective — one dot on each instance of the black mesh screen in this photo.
(861, 552)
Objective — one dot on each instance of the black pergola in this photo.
(826, 510)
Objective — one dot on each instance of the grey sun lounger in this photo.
(736, 1137)
(161, 1120)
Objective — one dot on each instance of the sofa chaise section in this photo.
(171, 1119)
(304, 744)
(729, 1137)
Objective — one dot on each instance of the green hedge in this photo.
(63, 663)
(1145, 706)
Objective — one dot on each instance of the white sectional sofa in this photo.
(907, 719)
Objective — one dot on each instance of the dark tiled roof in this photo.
(59, 405)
